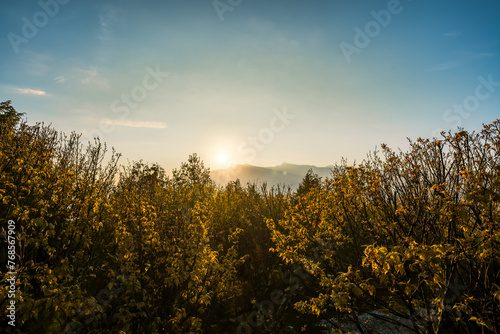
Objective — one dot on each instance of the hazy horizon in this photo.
(252, 82)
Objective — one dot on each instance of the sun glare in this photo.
(222, 159)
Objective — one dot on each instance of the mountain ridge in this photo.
(284, 174)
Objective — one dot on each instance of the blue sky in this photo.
(259, 82)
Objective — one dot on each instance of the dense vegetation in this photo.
(406, 242)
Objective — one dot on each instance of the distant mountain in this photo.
(287, 174)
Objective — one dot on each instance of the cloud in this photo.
(31, 91)
(481, 55)
(107, 19)
(444, 66)
(135, 124)
(60, 79)
(92, 77)
(465, 58)
(452, 34)
(35, 64)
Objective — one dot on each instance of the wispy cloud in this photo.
(135, 124)
(107, 19)
(452, 34)
(93, 77)
(464, 59)
(444, 66)
(35, 64)
(480, 55)
(60, 79)
(31, 91)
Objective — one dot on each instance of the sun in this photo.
(222, 159)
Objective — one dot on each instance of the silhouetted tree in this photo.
(310, 181)
(9, 115)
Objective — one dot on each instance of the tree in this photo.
(309, 182)
(8, 115)
(407, 243)
(410, 242)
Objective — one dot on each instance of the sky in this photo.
(248, 81)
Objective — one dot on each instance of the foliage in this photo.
(8, 115)
(413, 237)
(310, 181)
(407, 242)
